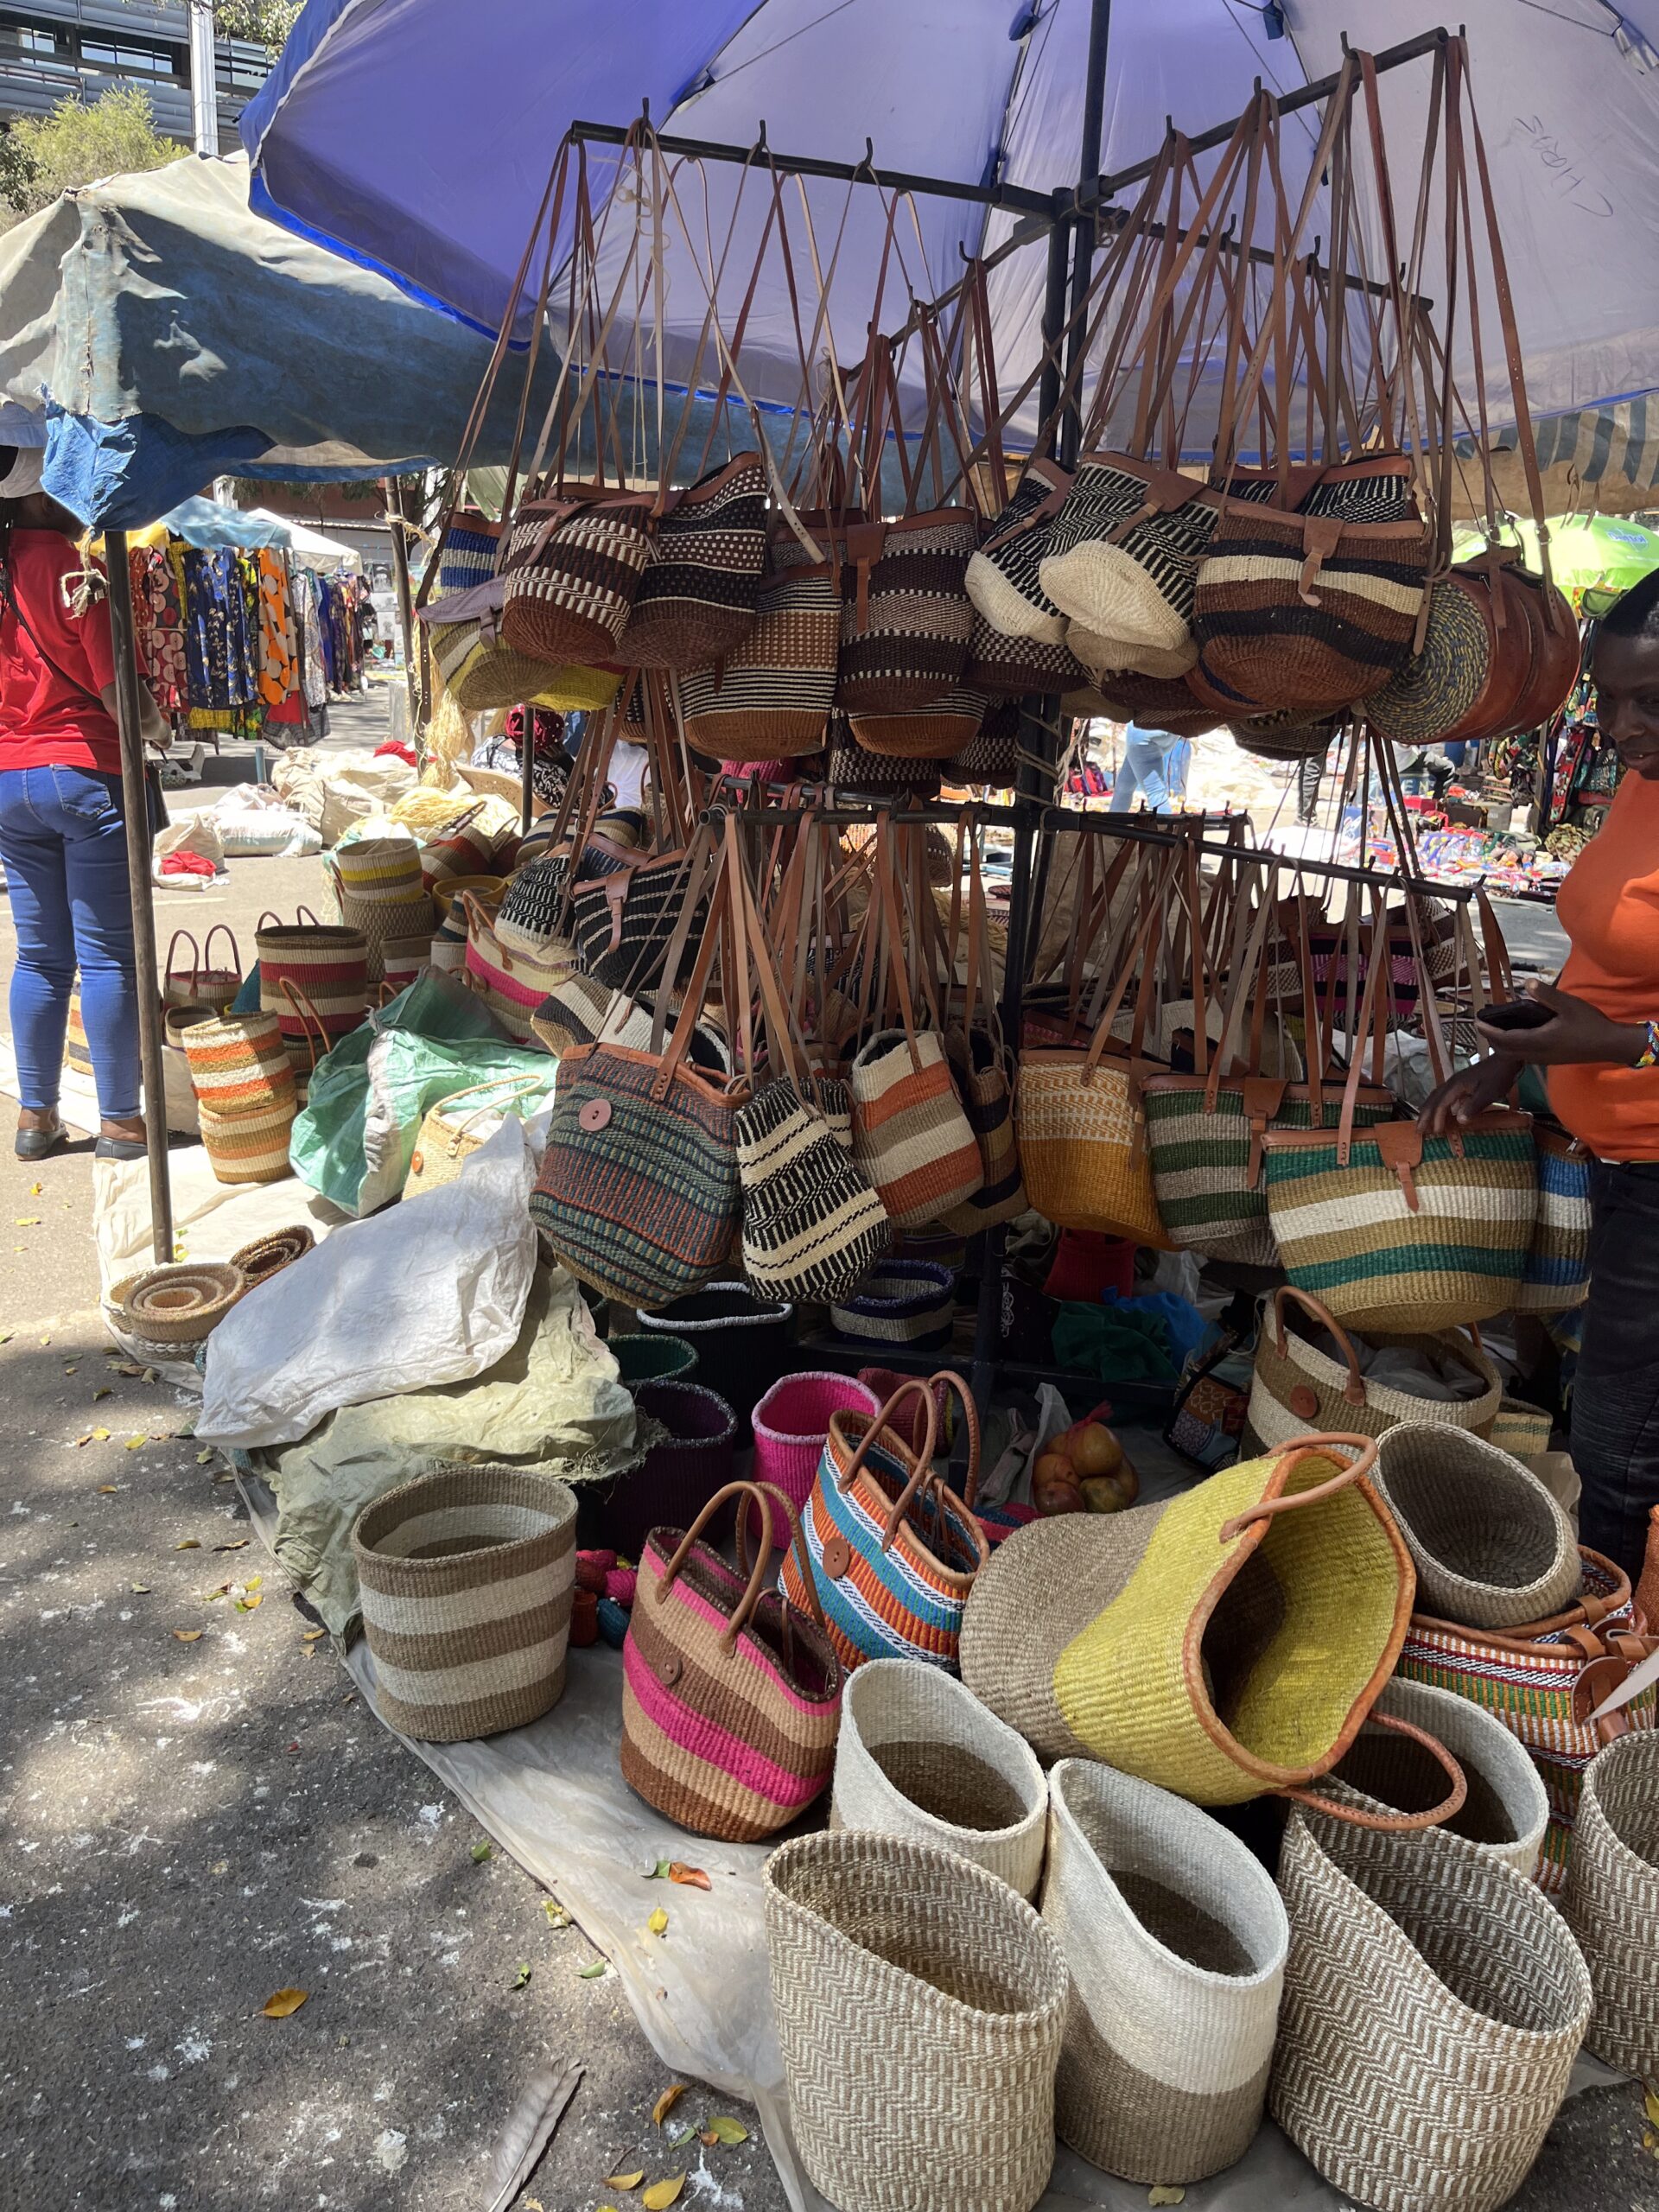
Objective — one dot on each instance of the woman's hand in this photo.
(1577, 1033)
(1471, 1091)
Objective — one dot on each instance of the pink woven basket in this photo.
(790, 1424)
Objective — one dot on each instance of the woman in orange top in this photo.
(1600, 1044)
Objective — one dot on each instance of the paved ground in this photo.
(190, 1826)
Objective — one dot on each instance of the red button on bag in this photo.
(1304, 1402)
(596, 1114)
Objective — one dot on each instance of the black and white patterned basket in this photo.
(909, 1302)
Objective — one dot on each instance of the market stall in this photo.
(1013, 1217)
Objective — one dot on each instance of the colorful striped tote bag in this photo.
(1557, 1272)
(731, 1693)
(513, 984)
(893, 1551)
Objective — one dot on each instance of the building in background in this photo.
(52, 50)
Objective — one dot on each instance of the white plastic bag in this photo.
(431, 1291)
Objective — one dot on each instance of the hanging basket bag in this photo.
(1296, 1388)
(731, 1697)
(1123, 552)
(513, 984)
(812, 1226)
(696, 602)
(937, 730)
(906, 615)
(465, 1577)
(881, 1948)
(1011, 669)
(790, 1425)
(893, 1550)
(1175, 1941)
(769, 697)
(1490, 1545)
(1556, 1275)
(1506, 1811)
(1434, 2005)
(1226, 1642)
(910, 1134)
(1612, 1902)
(202, 984)
(908, 1302)
(1003, 578)
(919, 1755)
(573, 567)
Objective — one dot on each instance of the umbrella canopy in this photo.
(969, 90)
(173, 335)
(1588, 554)
(310, 546)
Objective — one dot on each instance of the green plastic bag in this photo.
(355, 1137)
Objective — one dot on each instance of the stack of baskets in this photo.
(246, 1096)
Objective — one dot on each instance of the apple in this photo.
(1093, 1449)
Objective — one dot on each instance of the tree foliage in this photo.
(266, 23)
(77, 142)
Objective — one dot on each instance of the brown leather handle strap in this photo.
(746, 1604)
(1361, 1816)
(1354, 1388)
(1306, 1447)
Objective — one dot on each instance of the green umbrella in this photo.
(1593, 558)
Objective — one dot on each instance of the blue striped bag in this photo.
(1557, 1273)
(1398, 1230)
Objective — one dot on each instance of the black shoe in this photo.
(118, 1149)
(37, 1144)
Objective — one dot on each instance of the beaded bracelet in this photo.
(1650, 1051)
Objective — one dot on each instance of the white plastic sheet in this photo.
(432, 1291)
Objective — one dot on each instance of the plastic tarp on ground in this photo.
(960, 89)
(177, 335)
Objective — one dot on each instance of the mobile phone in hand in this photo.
(1515, 1014)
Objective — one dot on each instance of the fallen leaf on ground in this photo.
(239, 1545)
(139, 1589)
(188, 1634)
(690, 1878)
(522, 1976)
(660, 1872)
(662, 2194)
(592, 1973)
(722, 2128)
(480, 1853)
(1162, 2196)
(667, 2101)
(1650, 2098)
(278, 2007)
(100, 1436)
(202, 1457)
(29, 1221)
(135, 1443)
(658, 1922)
(188, 1543)
(35, 1189)
(625, 2181)
(88, 1439)
(680, 2136)
(102, 1391)
(310, 1635)
(126, 1366)
(556, 1915)
(251, 1603)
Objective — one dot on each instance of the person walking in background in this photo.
(1154, 765)
(1600, 1044)
(63, 824)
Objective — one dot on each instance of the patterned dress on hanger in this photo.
(278, 647)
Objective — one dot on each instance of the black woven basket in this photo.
(675, 1480)
(741, 1341)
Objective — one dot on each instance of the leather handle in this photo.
(1354, 1388)
(1394, 1823)
(1306, 1447)
(746, 1604)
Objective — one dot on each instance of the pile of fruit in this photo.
(1085, 1470)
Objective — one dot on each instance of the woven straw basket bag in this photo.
(1490, 1545)
(1176, 1940)
(1296, 1388)
(920, 1756)
(920, 2007)
(1506, 1811)
(1434, 2002)
(464, 1578)
(249, 1147)
(1612, 1902)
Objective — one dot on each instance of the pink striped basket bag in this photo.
(731, 1692)
(792, 1425)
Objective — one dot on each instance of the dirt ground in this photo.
(196, 1811)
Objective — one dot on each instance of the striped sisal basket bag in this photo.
(881, 1948)
(893, 1550)
(1175, 1941)
(328, 970)
(983, 1067)
(1490, 1545)
(1434, 2005)
(251, 1145)
(1003, 578)
(1611, 1902)
(731, 1694)
(771, 696)
(905, 617)
(465, 1578)
(1297, 1389)
(696, 601)
(382, 893)
(239, 1064)
(574, 564)
(790, 1425)
(920, 1756)
(1557, 1271)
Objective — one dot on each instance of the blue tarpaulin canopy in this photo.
(171, 335)
(368, 135)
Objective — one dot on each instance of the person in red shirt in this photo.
(1600, 1043)
(62, 826)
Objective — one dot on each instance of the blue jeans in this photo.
(1155, 767)
(64, 842)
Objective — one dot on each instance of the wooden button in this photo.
(418, 1165)
(1305, 1402)
(596, 1114)
(838, 1557)
(671, 1671)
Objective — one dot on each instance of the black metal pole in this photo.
(135, 799)
(1083, 255)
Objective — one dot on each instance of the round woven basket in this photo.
(1611, 1901)
(465, 1577)
(268, 1256)
(919, 1755)
(1437, 687)
(742, 1340)
(642, 1357)
(182, 1304)
(920, 2006)
(1433, 2004)
(1491, 1546)
(1506, 1808)
(1175, 1939)
(906, 1302)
